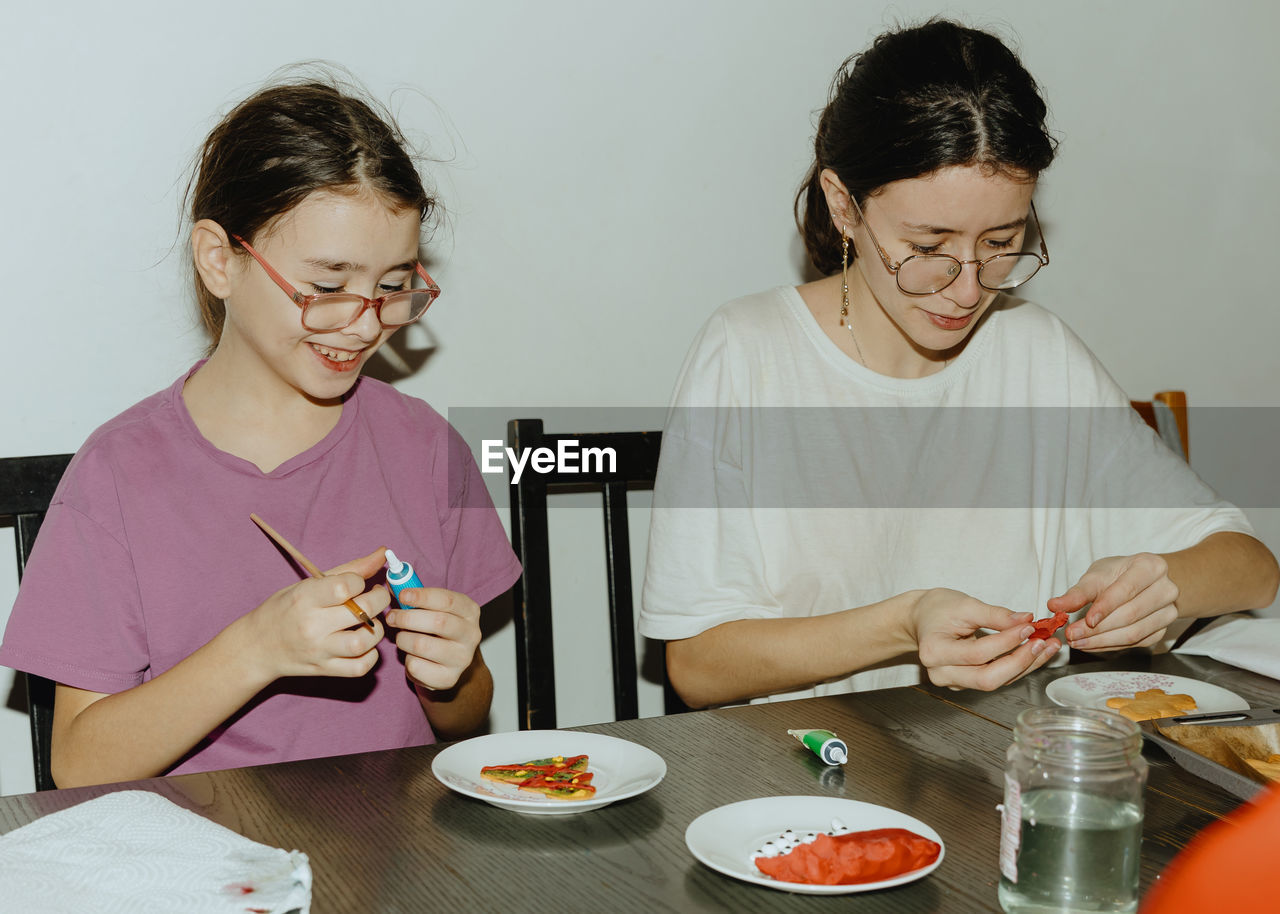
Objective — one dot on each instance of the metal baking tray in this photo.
(1231, 781)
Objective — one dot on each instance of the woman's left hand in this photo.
(439, 631)
(1133, 603)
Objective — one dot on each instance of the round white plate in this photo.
(1091, 690)
(725, 838)
(622, 769)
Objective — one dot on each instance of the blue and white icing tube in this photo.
(400, 575)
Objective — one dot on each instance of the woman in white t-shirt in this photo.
(861, 475)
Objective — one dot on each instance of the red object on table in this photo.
(1230, 866)
(1045, 628)
(860, 856)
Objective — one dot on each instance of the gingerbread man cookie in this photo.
(1151, 704)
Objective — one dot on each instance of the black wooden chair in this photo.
(26, 488)
(636, 467)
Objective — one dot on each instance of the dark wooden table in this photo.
(384, 836)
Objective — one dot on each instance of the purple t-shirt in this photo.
(148, 551)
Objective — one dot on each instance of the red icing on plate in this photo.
(860, 856)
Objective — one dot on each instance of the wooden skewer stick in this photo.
(307, 565)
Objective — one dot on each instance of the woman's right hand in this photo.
(947, 626)
(306, 630)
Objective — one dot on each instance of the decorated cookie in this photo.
(560, 777)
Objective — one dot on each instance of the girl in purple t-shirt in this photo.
(186, 640)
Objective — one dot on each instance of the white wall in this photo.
(612, 173)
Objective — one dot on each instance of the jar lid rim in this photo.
(1078, 732)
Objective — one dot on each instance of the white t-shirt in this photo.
(793, 481)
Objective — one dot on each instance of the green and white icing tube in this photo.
(824, 744)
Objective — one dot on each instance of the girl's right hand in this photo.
(947, 626)
(306, 630)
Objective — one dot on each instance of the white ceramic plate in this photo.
(622, 769)
(1091, 690)
(725, 838)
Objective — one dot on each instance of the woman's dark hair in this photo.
(921, 99)
(284, 143)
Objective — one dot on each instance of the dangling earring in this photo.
(844, 277)
(844, 293)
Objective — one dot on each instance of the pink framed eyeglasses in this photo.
(338, 310)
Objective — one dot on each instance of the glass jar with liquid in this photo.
(1072, 822)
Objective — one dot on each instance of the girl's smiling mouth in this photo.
(337, 359)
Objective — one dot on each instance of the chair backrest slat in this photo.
(617, 546)
(535, 648)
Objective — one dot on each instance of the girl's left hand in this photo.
(1133, 603)
(439, 631)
